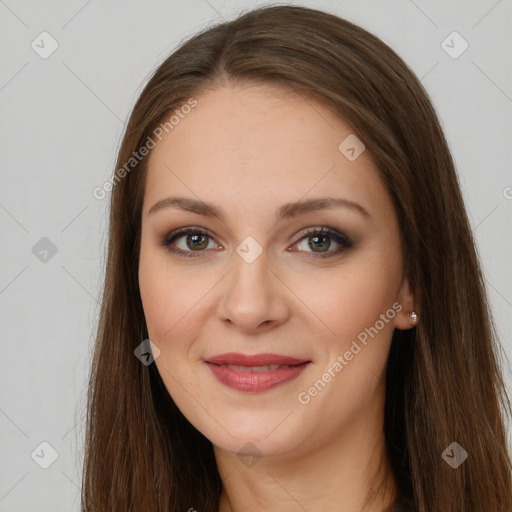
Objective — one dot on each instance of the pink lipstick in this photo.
(255, 373)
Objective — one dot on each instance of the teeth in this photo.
(265, 368)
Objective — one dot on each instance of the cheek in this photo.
(344, 302)
(155, 296)
(165, 294)
(176, 302)
(173, 310)
(170, 302)
(352, 361)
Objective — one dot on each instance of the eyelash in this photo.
(337, 236)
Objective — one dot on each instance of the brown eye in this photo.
(187, 241)
(196, 242)
(319, 241)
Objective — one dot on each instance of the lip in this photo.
(239, 359)
(246, 379)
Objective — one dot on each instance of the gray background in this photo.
(61, 124)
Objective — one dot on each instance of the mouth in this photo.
(255, 373)
(261, 368)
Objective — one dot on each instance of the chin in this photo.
(248, 440)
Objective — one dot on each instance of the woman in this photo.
(287, 229)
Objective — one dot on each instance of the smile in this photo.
(255, 373)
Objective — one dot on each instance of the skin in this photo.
(248, 150)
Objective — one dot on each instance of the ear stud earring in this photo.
(414, 317)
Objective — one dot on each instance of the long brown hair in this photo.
(443, 377)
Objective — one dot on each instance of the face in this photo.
(274, 306)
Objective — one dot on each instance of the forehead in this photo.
(258, 143)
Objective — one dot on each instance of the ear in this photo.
(406, 298)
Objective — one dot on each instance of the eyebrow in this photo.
(286, 211)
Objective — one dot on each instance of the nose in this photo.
(254, 298)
